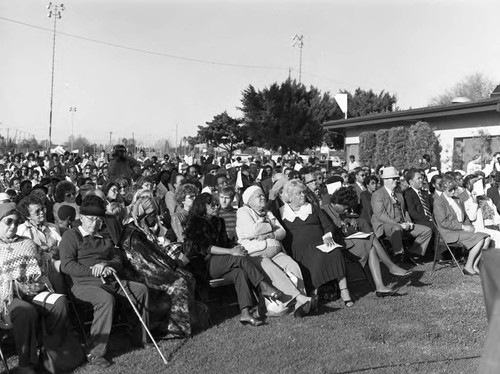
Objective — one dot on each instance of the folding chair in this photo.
(436, 252)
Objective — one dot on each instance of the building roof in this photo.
(415, 115)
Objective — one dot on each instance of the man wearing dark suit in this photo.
(358, 185)
(390, 217)
(418, 201)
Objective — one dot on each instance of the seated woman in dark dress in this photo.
(367, 250)
(211, 255)
(308, 227)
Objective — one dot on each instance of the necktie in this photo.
(393, 195)
(427, 211)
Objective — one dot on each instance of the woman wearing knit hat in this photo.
(22, 279)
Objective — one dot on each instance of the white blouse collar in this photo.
(290, 215)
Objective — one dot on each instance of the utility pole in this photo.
(110, 139)
(298, 40)
(54, 12)
(73, 111)
(176, 144)
(133, 145)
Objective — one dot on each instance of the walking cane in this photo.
(140, 318)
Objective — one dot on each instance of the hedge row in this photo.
(401, 147)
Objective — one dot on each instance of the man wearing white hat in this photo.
(391, 219)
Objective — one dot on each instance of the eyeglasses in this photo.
(213, 205)
(453, 189)
(113, 190)
(11, 221)
(93, 219)
(39, 211)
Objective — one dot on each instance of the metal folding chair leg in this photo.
(451, 253)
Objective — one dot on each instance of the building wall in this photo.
(447, 129)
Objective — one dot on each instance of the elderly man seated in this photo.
(390, 218)
(90, 260)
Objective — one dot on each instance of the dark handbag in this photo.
(60, 355)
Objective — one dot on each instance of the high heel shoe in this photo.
(386, 293)
(302, 310)
(252, 322)
(276, 295)
(349, 302)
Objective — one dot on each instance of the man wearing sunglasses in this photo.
(391, 219)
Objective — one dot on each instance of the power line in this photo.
(140, 50)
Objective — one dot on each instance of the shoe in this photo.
(302, 310)
(467, 272)
(349, 302)
(98, 361)
(314, 303)
(276, 295)
(386, 293)
(405, 274)
(413, 259)
(252, 322)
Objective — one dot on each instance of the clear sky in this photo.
(414, 49)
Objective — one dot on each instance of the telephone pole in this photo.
(298, 40)
(54, 12)
(73, 111)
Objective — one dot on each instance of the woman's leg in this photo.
(473, 253)
(344, 293)
(382, 255)
(278, 278)
(229, 267)
(374, 264)
(24, 317)
(290, 266)
(486, 245)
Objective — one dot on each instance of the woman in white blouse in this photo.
(260, 233)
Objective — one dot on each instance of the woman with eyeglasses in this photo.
(211, 256)
(455, 227)
(154, 261)
(23, 277)
(261, 234)
(112, 192)
(65, 194)
(44, 234)
(184, 196)
(308, 227)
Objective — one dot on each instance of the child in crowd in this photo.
(67, 215)
(227, 211)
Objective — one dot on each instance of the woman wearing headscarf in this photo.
(260, 233)
(22, 277)
(173, 310)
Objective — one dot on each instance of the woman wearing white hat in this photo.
(260, 233)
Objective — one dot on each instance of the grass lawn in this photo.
(436, 325)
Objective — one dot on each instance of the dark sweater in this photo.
(79, 253)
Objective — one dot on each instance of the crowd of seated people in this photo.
(280, 231)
